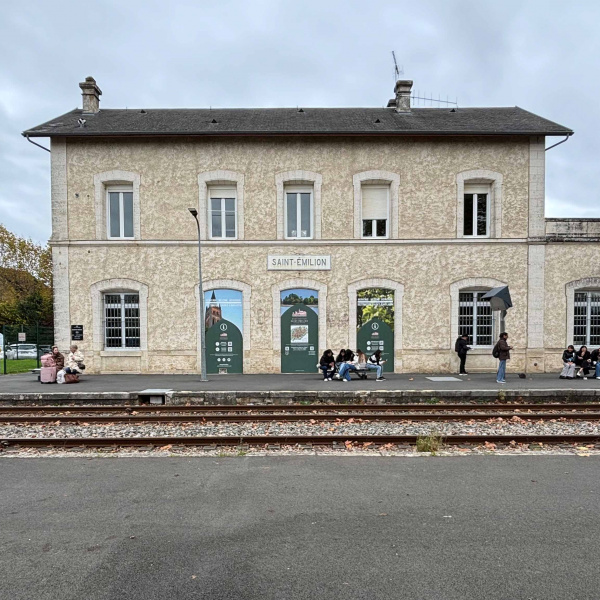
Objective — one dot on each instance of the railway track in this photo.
(280, 414)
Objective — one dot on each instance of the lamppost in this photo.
(201, 295)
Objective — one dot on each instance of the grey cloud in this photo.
(542, 56)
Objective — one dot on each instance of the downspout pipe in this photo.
(38, 145)
(559, 143)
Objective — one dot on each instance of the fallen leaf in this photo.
(193, 577)
(168, 447)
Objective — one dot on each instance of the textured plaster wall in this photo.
(169, 180)
(565, 262)
(170, 272)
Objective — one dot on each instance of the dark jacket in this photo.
(374, 359)
(340, 357)
(568, 356)
(595, 354)
(461, 346)
(59, 361)
(349, 357)
(584, 360)
(504, 349)
(326, 360)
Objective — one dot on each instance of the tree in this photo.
(376, 310)
(25, 280)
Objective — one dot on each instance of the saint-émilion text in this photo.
(298, 263)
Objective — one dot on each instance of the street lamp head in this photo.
(193, 211)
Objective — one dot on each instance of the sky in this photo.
(541, 55)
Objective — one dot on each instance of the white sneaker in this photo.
(585, 378)
(329, 379)
(345, 380)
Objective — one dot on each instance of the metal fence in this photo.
(24, 342)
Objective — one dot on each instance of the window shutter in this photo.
(374, 202)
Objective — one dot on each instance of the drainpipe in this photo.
(38, 145)
(559, 143)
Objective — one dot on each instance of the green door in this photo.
(224, 348)
(299, 339)
(378, 335)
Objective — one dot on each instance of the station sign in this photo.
(298, 262)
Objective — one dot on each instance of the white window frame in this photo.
(474, 190)
(232, 193)
(492, 315)
(588, 321)
(299, 189)
(123, 345)
(374, 221)
(120, 189)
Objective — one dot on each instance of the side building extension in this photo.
(378, 228)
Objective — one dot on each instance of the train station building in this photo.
(378, 228)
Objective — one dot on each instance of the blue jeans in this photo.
(501, 376)
(377, 368)
(345, 371)
(325, 369)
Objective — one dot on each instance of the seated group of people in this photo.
(580, 363)
(346, 361)
(73, 363)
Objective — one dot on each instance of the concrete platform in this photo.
(245, 389)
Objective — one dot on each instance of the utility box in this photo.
(153, 396)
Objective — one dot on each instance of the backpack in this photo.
(456, 344)
(496, 351)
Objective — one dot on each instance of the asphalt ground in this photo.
(298, 527)
(27, 383)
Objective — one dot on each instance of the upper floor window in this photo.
(475, 318)
(223, 212)
(122, 321)
(476, 206)
(375, 211)
(119, 212)
(298, 215)
(586, 318)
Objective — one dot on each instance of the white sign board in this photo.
(298, 262)
(22, 337)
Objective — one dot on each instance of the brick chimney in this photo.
(402, 91)
(90, 94)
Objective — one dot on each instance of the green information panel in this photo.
(377, 335)
(224, 348)
(299, 340)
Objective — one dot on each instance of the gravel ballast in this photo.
(514, 426)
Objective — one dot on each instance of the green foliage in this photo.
(25, 280)
(18, 366)
(375, 311)
(296, 299)
(430, 443)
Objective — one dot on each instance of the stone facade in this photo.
(426, 261)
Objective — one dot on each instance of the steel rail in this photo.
(291, 440)
(308, 408)
(215, 418)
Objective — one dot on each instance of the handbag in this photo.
(81, 366)
(71, 378)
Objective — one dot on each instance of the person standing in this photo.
(461, 348)
(501, 351)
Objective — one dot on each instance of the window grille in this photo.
(475, 319)
(586, 318)
(122, 321)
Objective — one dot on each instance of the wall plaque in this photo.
(77, 333)
(298, 262)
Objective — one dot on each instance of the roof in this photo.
(295, 121)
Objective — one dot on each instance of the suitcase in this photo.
(48, 375)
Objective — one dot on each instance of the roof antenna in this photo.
(397, 72)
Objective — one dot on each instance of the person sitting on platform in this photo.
(327, 365)
(348, 365)
(375, 359)
(568, 359)
(595, 357)
(583, 359)
(59, 359)
(75, 361)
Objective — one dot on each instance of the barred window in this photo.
(475, 318)
(122, 321)
(586, 320)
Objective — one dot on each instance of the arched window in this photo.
(583, 312)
